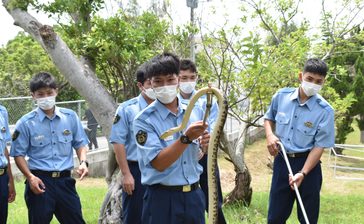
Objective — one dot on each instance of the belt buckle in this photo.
(291, 155)
(186, 188)
(2, 171)
(56, 174)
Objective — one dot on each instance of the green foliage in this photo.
(347, 78)
(20, 59)
(251, 71)
(21, 4)
(118, 45)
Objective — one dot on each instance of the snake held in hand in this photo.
(213, 144)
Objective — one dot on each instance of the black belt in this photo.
(183, 188)
(132, 162)
(53, 174)
(3, 170)
(298, 154)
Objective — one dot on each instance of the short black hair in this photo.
(141, 73)
(316, 66)
(188, 65)
(42, 80)
(163, 64)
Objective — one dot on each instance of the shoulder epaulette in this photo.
(29, 116)
(286, 90)
(66, 110)
(146, 112)
(323, 103)
(129, 102)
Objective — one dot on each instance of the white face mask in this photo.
(150, 93)
(46, 103)
(309, 88)
(187, 87)
(166, 94)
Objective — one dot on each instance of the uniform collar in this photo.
(42, 115)
(181, 97)
(164, 111)
(142, 102)
(309, 103)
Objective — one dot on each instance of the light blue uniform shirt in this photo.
(122, 129)
(48, 142)
(4, 135)
(154, 121)
(300, 127)
(202, 101)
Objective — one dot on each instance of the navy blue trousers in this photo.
(205, 189)
(163, 206)
(4, 192)
(133, 204)
(60, 198)
(282, 197)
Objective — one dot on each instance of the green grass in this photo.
(334, 208)
(353, 138)
(341, 201)
(91, 195)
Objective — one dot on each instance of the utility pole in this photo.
(192, 4)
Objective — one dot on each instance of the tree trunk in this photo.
(242, 191)
(79, 75)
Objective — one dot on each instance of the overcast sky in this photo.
(180, 13)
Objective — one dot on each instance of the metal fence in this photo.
(19, 106)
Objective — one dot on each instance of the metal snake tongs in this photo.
(294, 184)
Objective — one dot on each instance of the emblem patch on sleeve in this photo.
(15, 135)
(141, 137)
(116, 118)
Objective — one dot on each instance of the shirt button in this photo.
(289, 139)
(295, 116)
(291, 128)
(184, 162)
(54, 143)
(53, 132)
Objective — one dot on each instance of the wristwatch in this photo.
(84, 161)
(185, 139)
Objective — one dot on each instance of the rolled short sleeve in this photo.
(7, 132)
(325, 136)
(148, 142)
(120, 128)
(20, 141)
(272, 109)
(79, 136)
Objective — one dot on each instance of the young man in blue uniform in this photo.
(304, 123)
(47, 136)
(123, 139)
(7, 189)
(187, 84)
(169, 167)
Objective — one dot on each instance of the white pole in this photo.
(294, 184)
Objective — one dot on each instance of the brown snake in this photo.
(213, 144)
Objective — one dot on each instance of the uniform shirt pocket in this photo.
(39, 146)
(282, 122)
(65, 144)
(304, 136)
